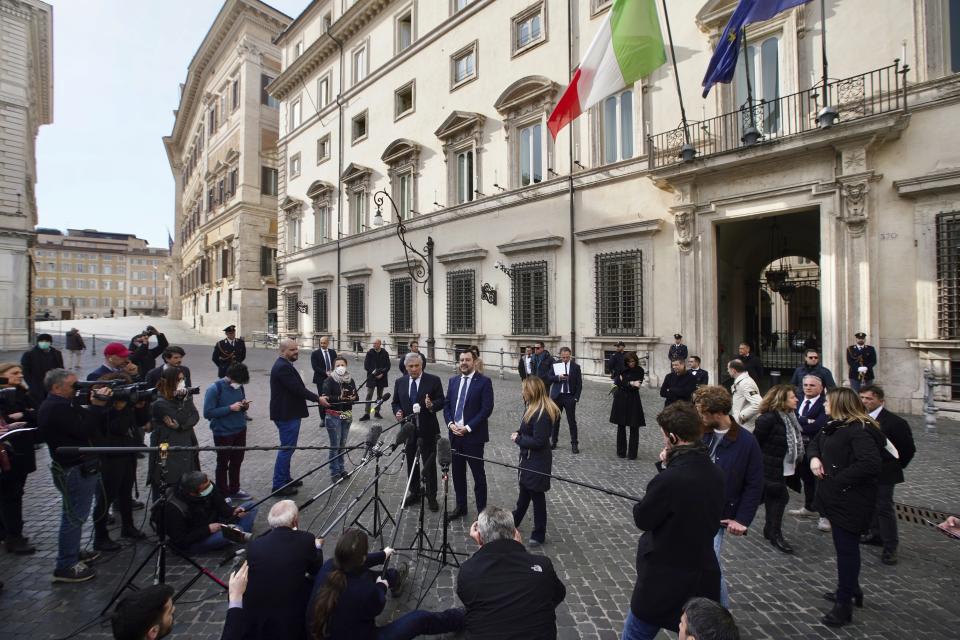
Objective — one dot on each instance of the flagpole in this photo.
(746, 67)
(676, 76)
(823, 48)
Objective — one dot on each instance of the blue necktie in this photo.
(458, 413)
(413, 391)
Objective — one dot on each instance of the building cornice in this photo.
(638, 228)
(929, 184)
(321, 279)
(463, 255)
(362, 272)
(533, 244)
(402, 265)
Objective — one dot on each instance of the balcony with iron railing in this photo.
(769, 122)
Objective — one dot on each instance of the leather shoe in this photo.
(432, 503)
(576, 449)
(840, 615)
(779, 543)
(106, 544)
(298, 483)
(872, 540)
(20, 546)
(456, 514)
(411, 499)
(364, 417)
(889, 557)
(288, 491)
(553, 445)
(831, 596)
(402, 571)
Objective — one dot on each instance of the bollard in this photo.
(93, 352)
(501, 363)
(929, 407)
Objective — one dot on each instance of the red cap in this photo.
(116, 349)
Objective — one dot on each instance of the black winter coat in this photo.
(898, 433)
(680, 515)
(35, 364)
(627, 408)
(377, 362)
(850, 454)
(535, 453)
(20, 447)
(771, 435)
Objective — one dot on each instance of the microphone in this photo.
(379, 403)
(444, 454)
(373, 435)
(406, 431)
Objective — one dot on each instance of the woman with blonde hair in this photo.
(781, 441)
(846, 457)
(17, 458)
(536, 457)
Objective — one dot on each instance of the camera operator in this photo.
(145, 356)
(225, 405)
(64, 423)
(18, 412)
(119, 472)
(195, 512)
(116, 357)
(172, 419)
(172, 357)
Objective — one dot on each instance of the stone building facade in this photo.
(26, 103)
(222, 152)
(608, 233)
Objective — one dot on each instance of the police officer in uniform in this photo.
(229, 350)
(861, 358)
(678, 350)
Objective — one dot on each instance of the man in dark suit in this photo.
(678, 384)
(812, 417)
(678, 350)
(281, 565)
(377, 365)
(414, 348)
(861, 358)
(503, 587)
(701, 376)
(525, 366)
(420, 394)
(616, 362)
(322, 360)
(172, 357)
(750, 362)
(883, 529)
(288, 405)
(229, 350)
(542, 361)
(466, 409)
(565, 390)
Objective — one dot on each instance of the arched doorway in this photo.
(789, 315)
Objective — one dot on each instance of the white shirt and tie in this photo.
(326, 359)
(461, 400)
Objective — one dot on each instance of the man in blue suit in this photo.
(565, 390)
(421, 394)
(288, 405)
(466, 410)
(812, 417)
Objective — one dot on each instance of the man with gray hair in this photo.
(420, 395)
(282, 564)
(507, 592)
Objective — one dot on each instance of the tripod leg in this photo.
(201, 571)
(129, 583)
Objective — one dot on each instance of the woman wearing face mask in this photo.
(341, 391)
(172, 418)
(37, 362)
(225, 405)
(17, 412)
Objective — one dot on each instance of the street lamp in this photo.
(418, 272)
(154, 291)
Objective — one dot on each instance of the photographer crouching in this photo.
(64, 422)
(128, 413)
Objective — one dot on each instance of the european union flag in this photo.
(724, 61)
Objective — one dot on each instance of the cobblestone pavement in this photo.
(591, 537)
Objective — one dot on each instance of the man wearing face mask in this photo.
(196, 511)
(225, 405)
(37, 362)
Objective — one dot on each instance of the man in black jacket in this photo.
(288, 405)
(321, 360)
(679, 514)
(63, 423)
(751, 362)
(883, 528)
(565, 390)
(542, 361)
(195, 512)
(414, 348)
(420, 394)
(508, 594)
(701, 376)
(36, 363)
(377, 365)
(679, 384)
(172, 357)
(281, 565)
(525, 365)
(143, 355)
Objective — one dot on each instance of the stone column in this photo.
(689, 278)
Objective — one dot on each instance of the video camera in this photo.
(134, 393)
(190, 391)
(83, 388)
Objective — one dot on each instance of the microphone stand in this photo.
(308, 473)
(376, 529)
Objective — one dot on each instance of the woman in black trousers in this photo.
(627, 408)
(18, 412)
(781, 441)
(846, 457)
(533, 438)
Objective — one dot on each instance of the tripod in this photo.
(445, 548)
(379, 522)
(162, 546)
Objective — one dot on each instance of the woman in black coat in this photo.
(627, 408)
(846, 457)
(781, 441)
(18, 412)
(533, 438)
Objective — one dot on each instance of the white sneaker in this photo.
(823, 524)
(802, 513)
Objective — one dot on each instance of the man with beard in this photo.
(145, 614)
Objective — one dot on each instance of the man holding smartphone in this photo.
(225, 405)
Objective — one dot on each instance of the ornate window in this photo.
(320, 311)
(319, 194)
(403, 37)
(948, 275)
(356, 316)
(619, 293)
(529, 299)
(356, 178)
(462, 134)
(404, 100)
(401, 305)
(529, 28)
(293, 218)
(461, 301)
(616, 127)
(290, 301)
(463, 65)
(402, 158)
(525, 106)
(358, 127)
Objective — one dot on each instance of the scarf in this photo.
(794, 436)
(344, 379)
(684, 449)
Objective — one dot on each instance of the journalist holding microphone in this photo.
(533, 438)
(65, 423)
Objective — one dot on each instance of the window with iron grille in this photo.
(948, 275)
(619, 290)
(461, 312)
(401, 305)
(356, 320)
(529, 298)
(319, 310)
(293, 323)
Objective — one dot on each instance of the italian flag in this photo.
(627, 47)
